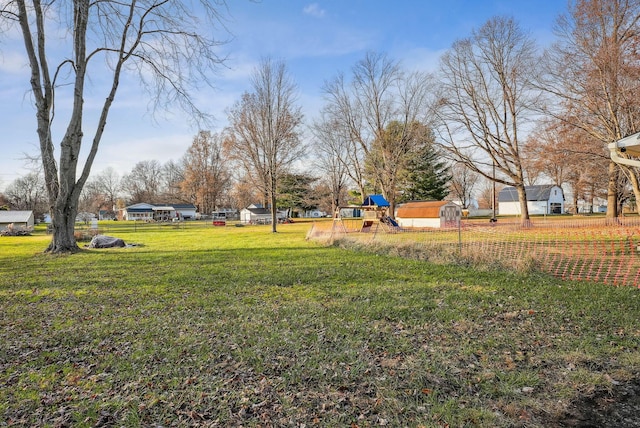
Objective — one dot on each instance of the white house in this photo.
(167, 212)
(541, 199)
(21, 219)
(140, 212)
(428, 214)
(256, 214)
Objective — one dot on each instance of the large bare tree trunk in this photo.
(171, 56)
(524, 207)
(63, 219)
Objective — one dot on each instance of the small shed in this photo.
(22, 219)
(255, 214)
(436, 214)
(541, 199)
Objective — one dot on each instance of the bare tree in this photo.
(593, 70)
(463, 183)
(243, 192)
(545, 154)
(143, 183)
(163, 41)
(172, 178)
(90, 201)
(206, 176)
(108, 185)
(380, 93)
(331, 132)
(487, 101)
(27, 193)
(4, 202)
(263, 134)
(332, 158)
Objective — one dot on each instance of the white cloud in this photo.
(314, 10)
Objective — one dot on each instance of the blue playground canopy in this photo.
(375, 200)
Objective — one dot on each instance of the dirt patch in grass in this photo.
(616, 407)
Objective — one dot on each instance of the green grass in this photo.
(233, 326)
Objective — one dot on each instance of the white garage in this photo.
(541, 199)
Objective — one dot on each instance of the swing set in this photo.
(368, 217)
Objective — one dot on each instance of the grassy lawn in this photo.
(233, 326)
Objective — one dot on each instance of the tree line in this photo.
(498, 107)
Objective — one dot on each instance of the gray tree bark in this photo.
(160, 38)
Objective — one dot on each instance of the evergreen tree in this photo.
(427, 177)
(296, 193)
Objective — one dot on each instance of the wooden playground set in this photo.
(368, 217)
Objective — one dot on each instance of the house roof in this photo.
(144, 207)
(259, 211)
(140, 205)
(375, 200)
(15, 216)
(139, 210)
(534, 193)
(183, 206)
(421, 209)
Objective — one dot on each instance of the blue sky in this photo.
(316, 39)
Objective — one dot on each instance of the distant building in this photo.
(256, 214)
(435, 214)
(165, 212)
(541, 199)
(22, 219)
(106, 214)
(185, 211)
(315, 214)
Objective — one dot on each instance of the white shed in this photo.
(541, 199)
(22, 219)
(255, 214)
(435, 214)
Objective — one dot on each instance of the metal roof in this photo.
(15, 216)
(140, 210)
(421, 209)
(259, 211)
(167, 207)
(534, 193)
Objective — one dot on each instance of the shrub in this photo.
(11, 230)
